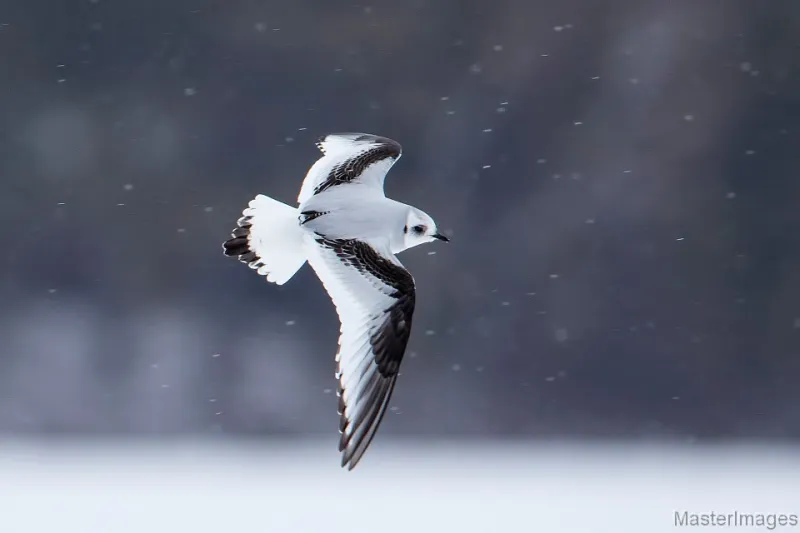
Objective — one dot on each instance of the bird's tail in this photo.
(269, 239)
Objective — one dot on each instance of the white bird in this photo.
(349, 232)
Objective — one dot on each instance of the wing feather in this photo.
(350, 158)
(374, 297)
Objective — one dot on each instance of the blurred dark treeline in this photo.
(620, 178)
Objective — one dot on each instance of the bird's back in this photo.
(354, 212)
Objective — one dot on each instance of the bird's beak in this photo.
(440, 237)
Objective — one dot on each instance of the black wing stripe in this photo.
(352, 168)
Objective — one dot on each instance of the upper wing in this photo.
(374, 297)
(350, 157)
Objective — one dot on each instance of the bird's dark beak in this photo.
(440, 237)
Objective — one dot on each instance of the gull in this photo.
(346, 228)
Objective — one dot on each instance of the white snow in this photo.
(402, 486)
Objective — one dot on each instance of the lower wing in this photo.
(374, 297)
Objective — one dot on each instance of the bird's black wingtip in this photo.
(349, 461)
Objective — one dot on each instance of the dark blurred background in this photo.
(620, 180)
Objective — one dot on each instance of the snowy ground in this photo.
(399, 487)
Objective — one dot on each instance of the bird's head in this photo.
(420, 228)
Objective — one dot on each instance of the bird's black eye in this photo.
(419, 229)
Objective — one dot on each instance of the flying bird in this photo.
(346, 228)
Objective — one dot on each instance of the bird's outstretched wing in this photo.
(350, 158)
(374, 296)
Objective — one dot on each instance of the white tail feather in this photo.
(269, 239)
